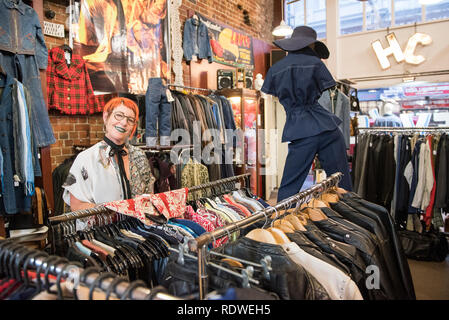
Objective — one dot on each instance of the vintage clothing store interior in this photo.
(182, 150)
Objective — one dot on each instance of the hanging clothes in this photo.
(69, 89)
(406, 174)
(336, 102)
(22, 54)
(20, 163)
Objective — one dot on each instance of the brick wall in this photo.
(86, 130)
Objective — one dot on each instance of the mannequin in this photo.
(298, 80)
(388, 119)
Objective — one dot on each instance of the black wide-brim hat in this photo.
(301, 37)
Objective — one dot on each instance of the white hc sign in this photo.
(395, 49)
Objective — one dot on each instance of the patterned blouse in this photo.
(95, 177)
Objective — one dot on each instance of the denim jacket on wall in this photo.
(21, 32)
(202, 40)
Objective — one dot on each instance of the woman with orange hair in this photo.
(112, 169)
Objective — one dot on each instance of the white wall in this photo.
(356, 58)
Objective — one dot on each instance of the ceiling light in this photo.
(283, 29)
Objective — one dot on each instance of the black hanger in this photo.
(59, 277)
(97, 282)
(113, 285)
(131, 287)
(66, 48)
(33, 256)
(21, 255)
(53, 266)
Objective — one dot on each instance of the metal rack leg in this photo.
(202, 273)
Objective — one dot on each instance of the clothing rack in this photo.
(100, 209)
(399, 129)
(218, 182)
(60, 267)
(190, 88)
(200, 243)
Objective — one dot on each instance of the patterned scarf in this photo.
(120, 152)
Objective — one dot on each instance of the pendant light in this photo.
(283, 29)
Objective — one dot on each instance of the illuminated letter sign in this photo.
(410, 57)
(382, 54)
(395, 49)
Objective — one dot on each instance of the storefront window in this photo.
(378, 14)
(407, 12)
(294, 13)
(315, 15)
(437, 11)
(351, 16)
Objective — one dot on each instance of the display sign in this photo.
(395, 49)
(422, 91)
(53, 29)
(229, 46)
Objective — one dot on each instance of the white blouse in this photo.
(95, 176)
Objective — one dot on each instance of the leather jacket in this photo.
(21, 32)
(369, 250)
(387, 221)
(287, 279)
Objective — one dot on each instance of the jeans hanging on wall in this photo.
(158, 109)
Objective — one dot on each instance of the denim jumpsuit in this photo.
(298, 80)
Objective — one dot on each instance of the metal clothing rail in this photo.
(218, 182)
(62, 268)
(101, 209)
(200, 243)
(396, 129)
(191, 88)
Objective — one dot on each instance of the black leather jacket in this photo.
(369, 251)
(381, 215)
(288, 279)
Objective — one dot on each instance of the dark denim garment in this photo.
(22, 54)
(13, 198)
(298, 80)
(22, 31)
(158, 109)
(331, 150)
(382, 216)
(287, 279)
(196, 40)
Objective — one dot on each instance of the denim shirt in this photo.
(196, 36)
(298, 80)
(21, 32)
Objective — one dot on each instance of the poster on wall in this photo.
(123, 42)
(229, 46)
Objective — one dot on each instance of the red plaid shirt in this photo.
(68, 87)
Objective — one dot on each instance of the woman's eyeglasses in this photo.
(119, 117)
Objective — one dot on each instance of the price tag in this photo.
(169, 96)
